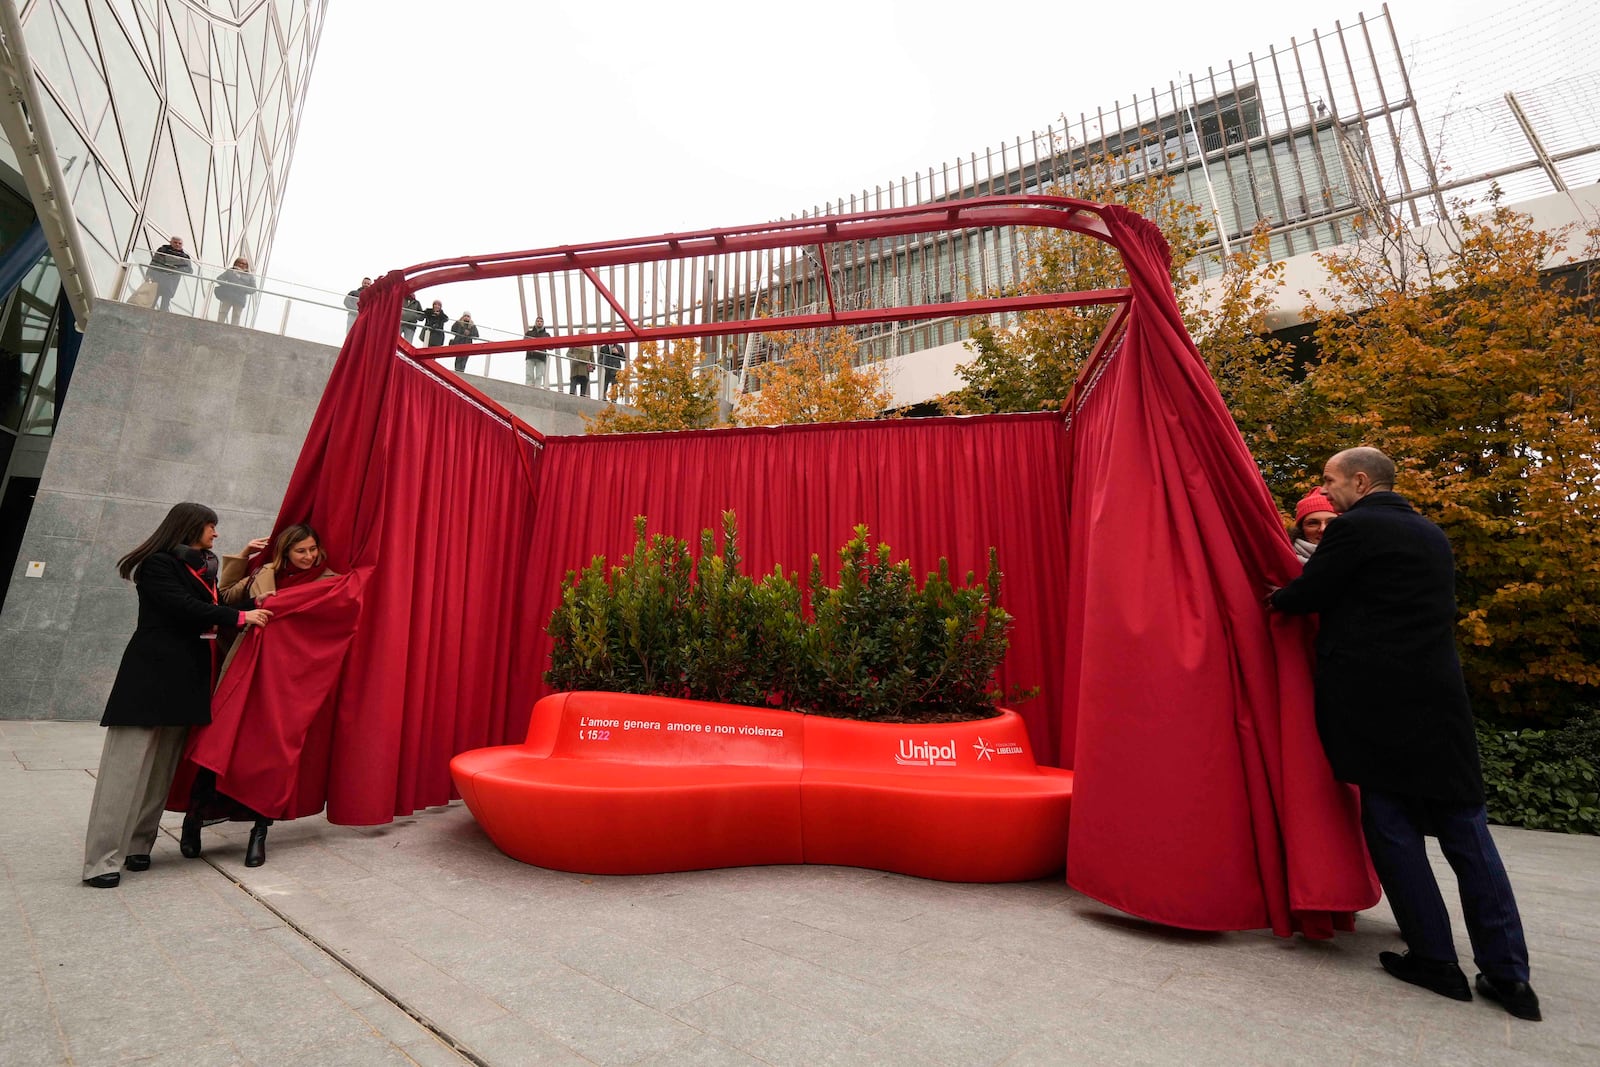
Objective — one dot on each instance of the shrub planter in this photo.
(612, 783)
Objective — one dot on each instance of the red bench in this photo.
(610, 783)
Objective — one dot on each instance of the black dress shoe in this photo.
(1438, 976)
(189, 839)
(1518, 998)
(104, 881)
(137, 863)
(255, 852)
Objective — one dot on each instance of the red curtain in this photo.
(364, 686)
(926, 487)
(1202, 797)
(1137, 545)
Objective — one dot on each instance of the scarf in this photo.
(286, 576)
(201, 560)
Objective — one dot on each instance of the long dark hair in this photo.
(183, 526)
(291, 536)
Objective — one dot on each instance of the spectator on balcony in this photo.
(168, 262)
(464, 332)
(580, 358)
(410, 318)
(612, 357)
(534, 365)
(433, 321)
(352, 300)
(233, 290)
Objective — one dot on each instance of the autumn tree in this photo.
(813, 376)
(1480, 376)
(668, 390)
(1034, 364)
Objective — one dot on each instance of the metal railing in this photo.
(308, 313)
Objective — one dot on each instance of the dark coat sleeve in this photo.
(165, 584)
(1327, 574)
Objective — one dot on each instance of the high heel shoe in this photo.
(189, 839)
(255, 853)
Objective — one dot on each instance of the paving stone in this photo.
(773, 965)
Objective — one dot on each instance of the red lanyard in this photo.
(201, 578)
(212, 636)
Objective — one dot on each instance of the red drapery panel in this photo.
(1202, 796)
(926, 487)
(1137, 545)
(424, 499)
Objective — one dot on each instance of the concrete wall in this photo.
(162, 408)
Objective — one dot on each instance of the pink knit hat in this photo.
(1316, 500)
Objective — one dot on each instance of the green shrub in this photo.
(886, 651)
(1543, 779)
(624, 631)
(878, 646)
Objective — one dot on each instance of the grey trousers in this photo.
(136, 769)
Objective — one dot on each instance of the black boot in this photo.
(255, 853)
(189, 839)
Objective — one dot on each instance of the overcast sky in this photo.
(474, 126)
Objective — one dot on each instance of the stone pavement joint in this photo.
(417, 942)
(356, 972)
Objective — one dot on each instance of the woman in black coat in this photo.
(163, 687)
(433, 321)
(464, 332)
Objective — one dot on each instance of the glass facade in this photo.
(169, 118)
(173, 117)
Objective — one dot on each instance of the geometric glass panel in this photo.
(253, 37)
(165, 210)
(194, 168)
(249, 81)
(130, 29)
(138, 105)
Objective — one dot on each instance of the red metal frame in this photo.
(1046, 212)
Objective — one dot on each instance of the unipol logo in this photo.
(925, 754)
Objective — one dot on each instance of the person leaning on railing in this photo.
(410, 318)
(580, 361)
(464, 332)
(168, 261)
(612, 357)
(534, 365)
(233, 290)
(433, 321)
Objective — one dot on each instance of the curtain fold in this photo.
(926, 487)
(1137, 544)
(362, 688)
(1202, 796)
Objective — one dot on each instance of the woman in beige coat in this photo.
(296, 559)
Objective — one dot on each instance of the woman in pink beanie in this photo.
(1311, 518)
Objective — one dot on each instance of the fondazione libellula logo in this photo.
(925, 754)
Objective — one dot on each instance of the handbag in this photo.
(145, 295)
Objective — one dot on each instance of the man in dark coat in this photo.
(410, 318)
(166, 265)
(534, 364)
(352, 301)
(1394, 718)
